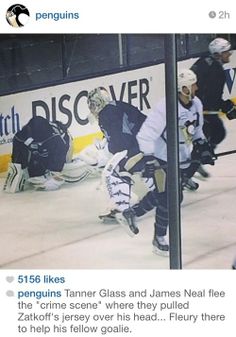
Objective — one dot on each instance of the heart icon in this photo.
(10, 279)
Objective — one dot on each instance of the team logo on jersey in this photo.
(17, 15)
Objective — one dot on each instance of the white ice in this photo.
(61, 229)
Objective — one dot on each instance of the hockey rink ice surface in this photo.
(61, 229)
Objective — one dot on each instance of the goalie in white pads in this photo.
(42, 157)
(120, 123)
(39, 152)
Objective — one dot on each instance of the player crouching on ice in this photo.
(42, 158)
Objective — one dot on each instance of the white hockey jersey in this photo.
(152, 136)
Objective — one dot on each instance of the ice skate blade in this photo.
(156, 251)
(191, 190)
(107, 220)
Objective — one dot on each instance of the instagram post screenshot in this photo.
(117, 169)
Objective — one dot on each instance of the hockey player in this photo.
(43, 156)
(211, 80)
(152, 141)
(39, 153)
(120, 123)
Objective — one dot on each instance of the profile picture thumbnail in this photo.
(17, 15)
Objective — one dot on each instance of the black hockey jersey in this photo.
(41, 146)
(211, 80)
(120, 123)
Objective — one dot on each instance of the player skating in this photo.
(152, 139)
(211, 80)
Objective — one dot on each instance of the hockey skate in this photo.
(202, 172)
(160, 246)
(190, 185)
(109, 217)
(127, 220)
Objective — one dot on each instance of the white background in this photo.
(131, 17)
(119, 280)
(106, 16)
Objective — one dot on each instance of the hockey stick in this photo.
(216, 155)
(216, 112)
(226, 153)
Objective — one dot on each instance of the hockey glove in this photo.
(203, 152)
(231, 114)
(150, 166)
(229, 108)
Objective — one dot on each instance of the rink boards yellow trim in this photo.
(4, 160)
(79, 143)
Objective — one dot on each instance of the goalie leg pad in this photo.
(76, 171)
(16, 178)
(118, 189)
(149, 182)
(117, 184)
(49, 182)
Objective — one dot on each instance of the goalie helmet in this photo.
(219, 45)
(186, 78)
(98, 98)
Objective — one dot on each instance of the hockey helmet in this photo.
(98, 98)
(186, 78)
(219, 45)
